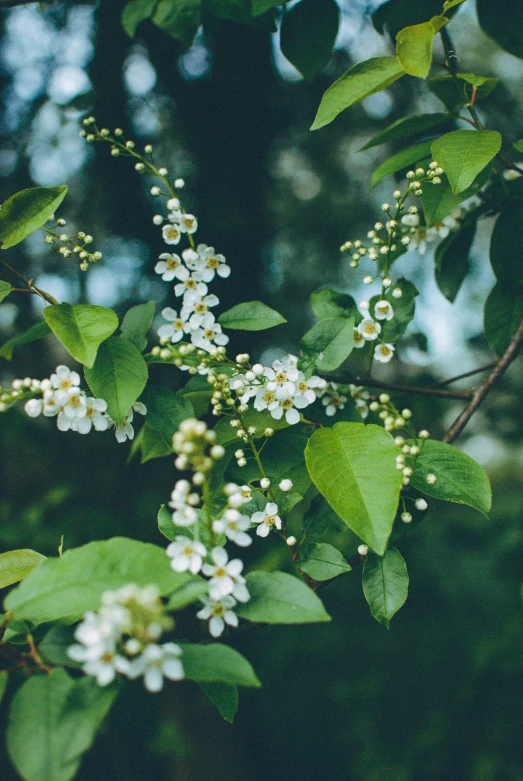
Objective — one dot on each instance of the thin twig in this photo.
(32, 288)
(463, 376)
(479, 394)
(369, 382)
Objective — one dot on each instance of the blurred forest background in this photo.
(437, 697)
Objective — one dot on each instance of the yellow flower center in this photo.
(172, 263)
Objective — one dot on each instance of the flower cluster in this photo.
(66, 245)
(282, 388)
(226, 582)
(61, 397)
(122, 638)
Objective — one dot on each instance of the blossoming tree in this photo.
(310, 443)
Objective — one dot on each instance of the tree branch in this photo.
(479, 394)
(368, 382)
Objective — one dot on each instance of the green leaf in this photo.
(397, 14)
(64, 589)
(354, 466)
(217, 663)
(179, 19)
(439, 200)
(151, 444)
(503, 314)
(504, 23)
(518, 145)
(444, 87)
(385, 584)
(279, 598)
(224, 696)
(328, 343)
(404, 309)
(320, 516)
(136, 323)
(330, 304)
(250, 316)
(452, 260)
(118, 375)
(451, 3)
(240, 12)
(4, 680)
(15, 565)
(136, 12)
(252, 419)
(5, 289)
(259, 7)
(414, 46)
(322, 561)
(81, 328)
(400, 161)
(308, 33)
(409, 126)
(459, 478)
(359, 82)
(165, 410)
(464, 153)
(188, 593)
(26, 211)
(282, 457)
(37, 331)
(53, 721)
(53, 647)
(169, 530)
(505, 242)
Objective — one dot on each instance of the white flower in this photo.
(369, 329)
(383, 310)
(333, 400)
(95, 417)
(219, 612)
(197, 312)
(171, 234)
(225, 576)
(267, 519)
(171, 267)
(73, 403)
(33, 407)
(285, 406)
(176, 327)
(204, 337)
(384, 352)
(265, 399)
(305, 394)
(420, 239)
(186, 554)
(185, 516)
(192, 289)
(125, 430)
(211, 263)
(156, 663)
(284, 373)
(234, 525)
(188, 223)
(285, 485)
(412, 220)
(51, 405)
(64, 379)
(359, 340)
